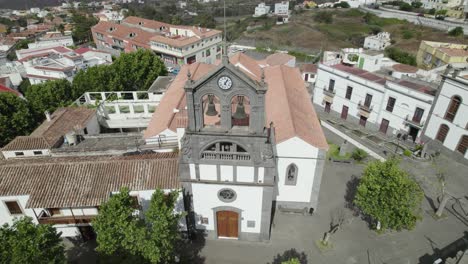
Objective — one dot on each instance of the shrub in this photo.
(342, 5)
(458, 31)
(416, 4)
(400, 56)
(359, 154)
(375, 29)
(406, 34)
(432, 11)
(324, 17)
(407, 153)
(405, 7)
(442, 12)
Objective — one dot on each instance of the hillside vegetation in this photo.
(332, 29)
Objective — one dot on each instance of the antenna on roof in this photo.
(225, 55)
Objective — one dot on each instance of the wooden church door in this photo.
(227, 223)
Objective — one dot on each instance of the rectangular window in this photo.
(19, 154)
(418, 113)
(368, 100)
(390, 104)
(331, 85)
(37, 152)
(54, 211)
(349, 92)
(13, 207)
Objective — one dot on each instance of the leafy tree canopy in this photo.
(389, 195)
(124, 236)
(16, 118)
(400, 56)
(25, 242)
(49, 95)
(458, 31)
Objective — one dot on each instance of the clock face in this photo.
(225, 82)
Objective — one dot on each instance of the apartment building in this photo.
(52, 39)
(53, 63)
(175, 44)
(261, 10)
(446, 130)
(373, 101)
(436, 54)
(377, 42)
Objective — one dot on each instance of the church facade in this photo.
(250, 144)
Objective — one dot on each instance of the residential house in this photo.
(175, 44)
(67, 192)
(282, 12)
(435, 54)
(261, 10)
(52, 39)
(376, 102)
(377, 42)
(309, 72)
(64, 126)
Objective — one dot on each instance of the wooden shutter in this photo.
(442, 133)
(463, 145)
(14, 207)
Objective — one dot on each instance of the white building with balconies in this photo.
(261, 10)
(388, 106)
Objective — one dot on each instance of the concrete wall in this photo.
(6, 217)
(27, 153)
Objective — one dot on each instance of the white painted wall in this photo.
(299, 152)
(457, 128)
(208, 172)
(27, 153)
(245, 174)
(249, 200)
(6, 217)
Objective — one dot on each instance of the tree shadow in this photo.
(450, 251)
(189, 249)
(288, 255)
(351, 190)
(431, 202)
(81, 251)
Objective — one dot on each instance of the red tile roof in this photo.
(361, 73)
(4, 89)
(122, 32)
(296, 117)
(74, 182)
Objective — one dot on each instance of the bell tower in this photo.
(227, 165)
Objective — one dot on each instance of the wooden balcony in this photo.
(329, 92)
(366, 108)
(57, 220)
(414, 122)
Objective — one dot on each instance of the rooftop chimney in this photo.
(47, 115)
(455, 73)
(447, 69)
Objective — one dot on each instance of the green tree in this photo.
(25, 242)
(24, 85)
(400, 56)
(405, 6)
(291, 261)
(94, 79)
(49, 95)
(16, 118)
(137, 70)
(416, 4)
(119, 232)
(455, 32)
(82, 28)
(163, 223)
(124, 236)
(389, 195)
(342, 5)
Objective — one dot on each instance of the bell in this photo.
(211, 110)
(240, 110)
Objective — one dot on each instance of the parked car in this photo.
(420, 15)
(440, 17)
(175, 71)
(170, 69)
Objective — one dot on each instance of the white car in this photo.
(170, 69)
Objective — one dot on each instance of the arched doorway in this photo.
(227, 224)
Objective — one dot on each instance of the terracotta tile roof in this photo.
(405, 68)
(295, 117)
(361, 73)
(455, 52)
(59, 183)
(4, 89)
(26, 143)
(308, 67)
(64, 120)
(174, 98)
(82, 50)
(278, 59)
(122, 32)
(147, 23)
(418, 87)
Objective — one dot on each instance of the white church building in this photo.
(250, 140)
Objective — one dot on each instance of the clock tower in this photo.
(227, 167)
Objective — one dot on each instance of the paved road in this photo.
(425, 21)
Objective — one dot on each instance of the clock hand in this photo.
(225, 83)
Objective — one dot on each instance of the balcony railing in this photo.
(214, 155)
(413, 121)
(329, 92)
(56, 220)
(367, 108)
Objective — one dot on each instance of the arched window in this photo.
(463, 144)
(211, 111)
(442, 133)
(452, 109)
(225, 151)
(291, 175)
